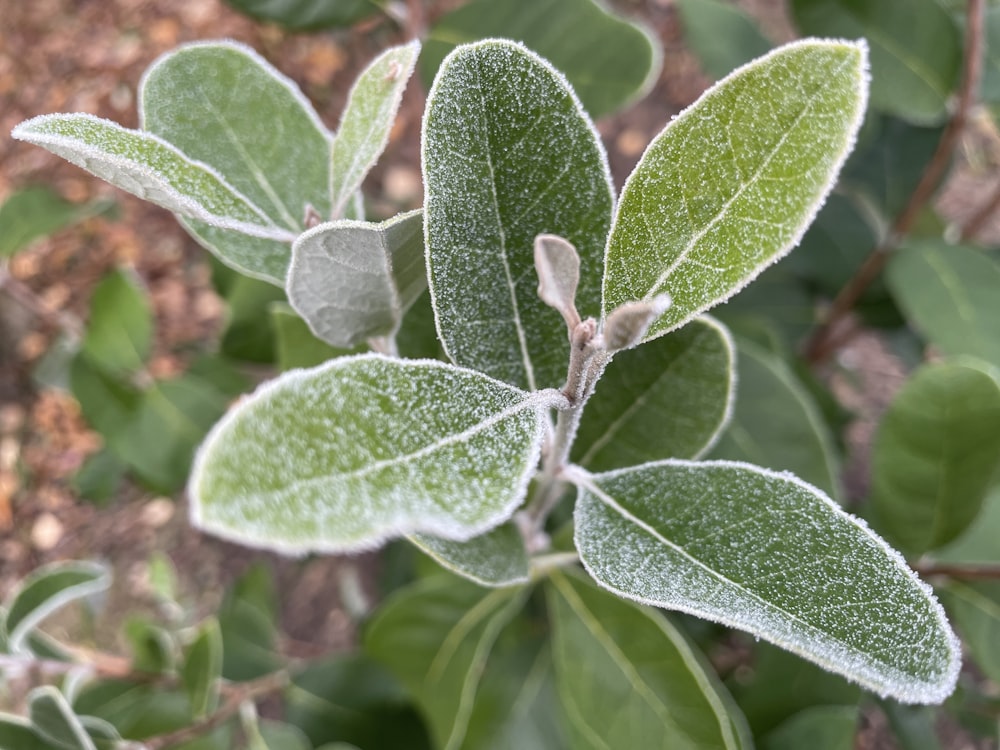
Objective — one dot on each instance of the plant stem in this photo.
(826, 340)
(961, 571)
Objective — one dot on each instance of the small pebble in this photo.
(46, 532)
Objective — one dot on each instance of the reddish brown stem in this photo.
(963, 572)
(825, 341)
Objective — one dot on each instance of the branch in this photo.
(824, 341)
(961, 571)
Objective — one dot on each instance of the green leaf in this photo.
(776, 423)
(628, 678)
(669, 399)
(308, 14)
(296, 345)
(935, 453)
(354, 699)
(151, 168)
(247, 623)
(202, 668)
(120, 326)
(913, 726)
(731, 184)
(152, 647)
(45, 590)
(16, 734)
(497, 558)
(916, 49)
(949, 294)
(722, 35)
(608, 61)
(54, 720)
(351, 453)
(976, 609)
(100, 476)
(817, 728)
(248, 335)
(979, 542)
(108, 402)
(276, 735)
(767, 553)
(436, 636)
(34, 212)
(508, 153)
(253, 257)
(367, 121)
(353, 280)
(989, 89)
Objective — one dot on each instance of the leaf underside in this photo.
(497, 558)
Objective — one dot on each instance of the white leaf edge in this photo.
(81, 154)
(864, 83)
(468, 573)
(539, 401)
(919, 694)
(100, 582)
(72, 720)
(409, 53)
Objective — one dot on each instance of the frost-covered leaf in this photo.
(202, 668)
(353, 280)
(668, 399)
(949, 294)
(497, 558)
(731, 184)
(936, 451)
(309, 14)
(53, 719)
(608, 60)
(367, 120)
(508, 154)
(776, 423)
(255, 257)
(348, 454)
(149, 167)
(45, 590)
(558, 267)
(916, 49)
(721, 34)
(767, 553)
(120, 325)
(33, 212)
(437, 636)
(628, 678)
(817, 728)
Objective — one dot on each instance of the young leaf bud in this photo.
(558, 267)
(627, 324)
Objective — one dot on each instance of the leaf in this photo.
(668, 399)
(730, 185)
(100, 477)
(777, 424)
(355, 699)
(976, 609)
(767, 553)
(151, 646)
(253, 257)
(508, 153)
(367, 121)
(276, 735)
(978, 542)
(722, 35)
(308, 14)
(151, 168)
(120, 327)
(296, 345)
(16, 734)
(247, 335)
(348, 454)
(247, 625)
(916, 49)
(628, 678)
(497, 558)
(935, 453)
(436, 636)
(949, 294)
(202, 668)
(353, 280)
(609, 62)
(989, 89)
(108, 402)
(38, 211)
(54, 720)
(45, 590)
(818, 728)
(913, 726)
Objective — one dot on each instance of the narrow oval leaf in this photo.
(38, 211)
(497, 558)
(202, 668)
(628, 678)
(935, 454)
(367, 121)
(343, 277)
(767, 553)
(151, 168)
(255, 257)
(916, 49)
(817, 728)
(949, 294)
(731, 184)
(45, 590)
(308, 14)
(508, 154)
(777, 424)
(120, 326)
(348, 454)
(721, 34)
(608, 60)
(668, 399)
(437, 637)
(54, 720)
